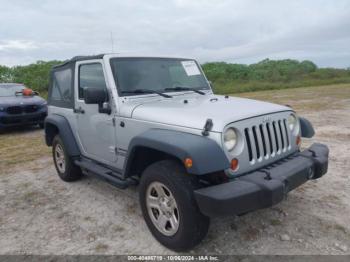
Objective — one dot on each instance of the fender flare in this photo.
(65, 131)
(307, 130)
(206, 154)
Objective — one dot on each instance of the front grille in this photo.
(13, 110)
(31, 108)
(267, 140)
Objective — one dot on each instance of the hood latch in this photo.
(207, 127)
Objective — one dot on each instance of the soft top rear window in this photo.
(61, 91)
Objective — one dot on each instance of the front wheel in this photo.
(169, 208)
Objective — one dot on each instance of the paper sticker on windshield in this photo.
(191, 68)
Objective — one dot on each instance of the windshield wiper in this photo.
(146, 91)
(184, 88)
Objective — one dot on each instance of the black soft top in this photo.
(78, 58)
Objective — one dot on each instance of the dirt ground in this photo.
(40, 214)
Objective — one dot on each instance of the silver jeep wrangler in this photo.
(155, 122)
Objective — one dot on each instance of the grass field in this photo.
(314, 98)
(21, 145)
(256, 86)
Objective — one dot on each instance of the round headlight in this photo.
(230, 139)
(293, 123)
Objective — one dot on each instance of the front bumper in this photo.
(264, 187)
(7, 120)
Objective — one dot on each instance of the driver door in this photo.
(96, 131)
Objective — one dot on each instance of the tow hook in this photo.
(267, 173)
(310, 173)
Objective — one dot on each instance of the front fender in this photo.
(207, 156)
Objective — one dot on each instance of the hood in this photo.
(198, 109)
(21, 100)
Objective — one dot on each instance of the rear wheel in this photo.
(65, 167)
(169, 207)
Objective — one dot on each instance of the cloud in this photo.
(17, 45)
(235, 31)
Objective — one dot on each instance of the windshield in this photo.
(158, 74)
(10, 89)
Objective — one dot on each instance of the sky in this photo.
(245, 31)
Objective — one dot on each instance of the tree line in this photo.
(271, 74)
(227, 78)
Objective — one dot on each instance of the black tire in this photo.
(193, 225)
(71, 172)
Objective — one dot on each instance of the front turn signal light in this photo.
(234, 164)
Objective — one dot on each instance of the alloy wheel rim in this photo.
(162, 208)
(60, 159)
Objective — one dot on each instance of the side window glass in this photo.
(90, 75)
(55, 95)
(62, 83)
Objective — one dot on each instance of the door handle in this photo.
(78, 110)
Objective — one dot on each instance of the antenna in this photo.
(112, 42)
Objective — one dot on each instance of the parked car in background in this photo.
(20, 105)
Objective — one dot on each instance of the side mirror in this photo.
(95, 95)
(99, 96)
